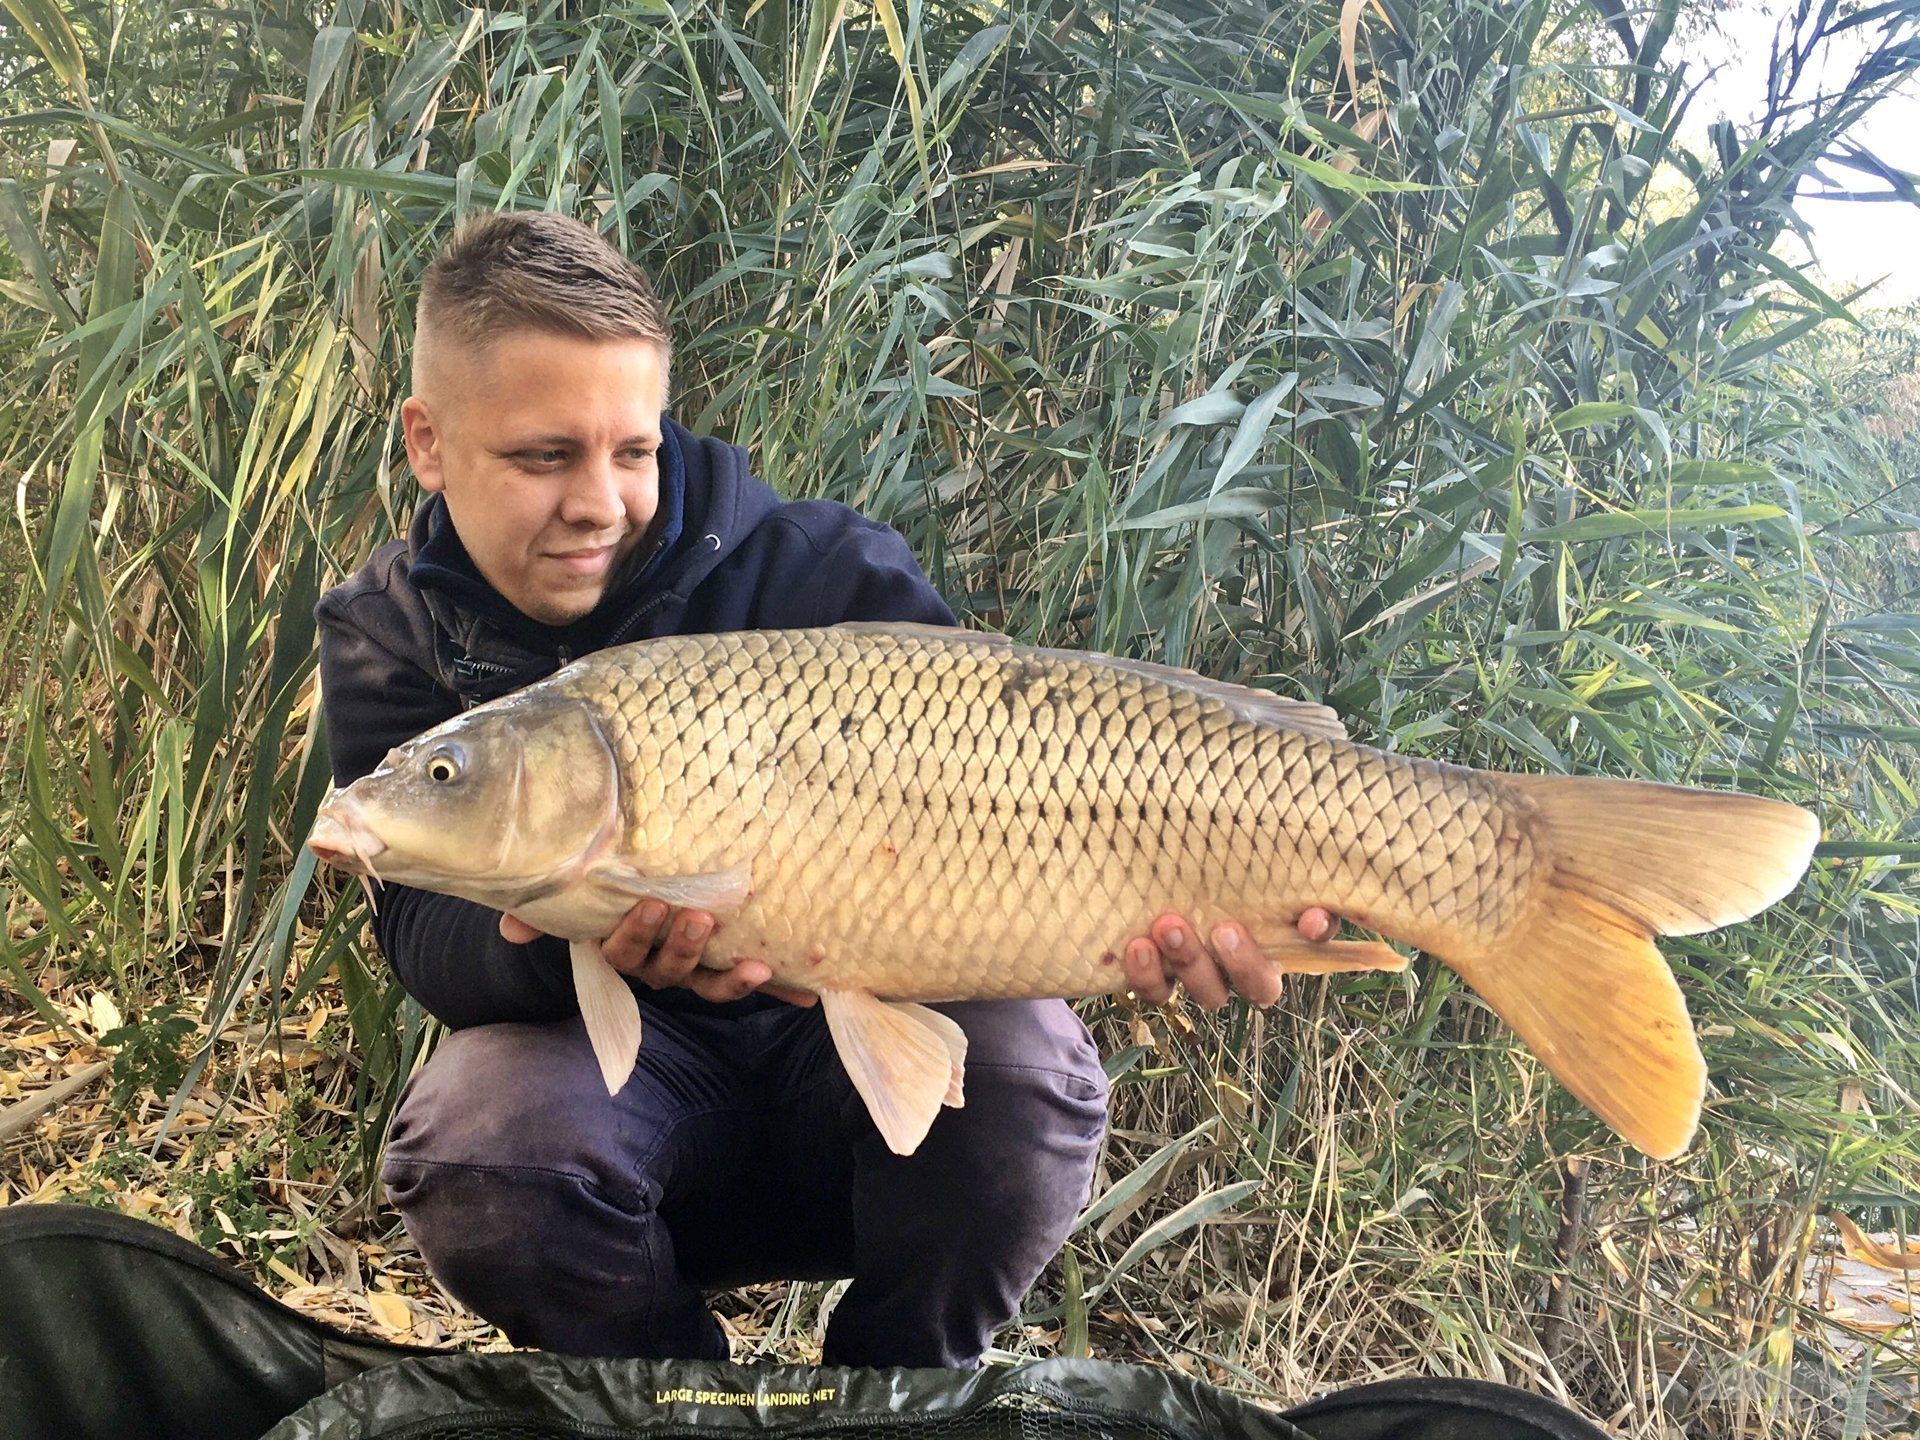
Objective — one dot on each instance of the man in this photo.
(565, 512)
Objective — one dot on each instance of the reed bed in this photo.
(1408, 357)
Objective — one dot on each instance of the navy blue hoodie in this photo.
(417, 635)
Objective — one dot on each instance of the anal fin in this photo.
(905, 1060)
(1296, 956)
(610, 1011)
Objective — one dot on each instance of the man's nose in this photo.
(593, 496)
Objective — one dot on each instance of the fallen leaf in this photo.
(390, 1310)
(1861, 1246)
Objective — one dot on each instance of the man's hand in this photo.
(660, 947)
(1173, 953)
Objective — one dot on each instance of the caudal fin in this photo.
(1579, 978)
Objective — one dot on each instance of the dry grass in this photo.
(1343, 1261)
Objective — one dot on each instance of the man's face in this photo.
(547, 450)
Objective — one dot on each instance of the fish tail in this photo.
(1578, 975)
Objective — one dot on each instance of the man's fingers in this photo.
(1246, 964)
(629, 948)
(685, 939)
(516, 931)
(720, 986)
(1146, 972)
(1192, 965)
(643, 945)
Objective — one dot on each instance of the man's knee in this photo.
(533, 1199)
(1035, 1113)
(495, 1160)
(1037, 1053)
(520, 1098)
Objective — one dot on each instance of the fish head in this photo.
(509, 800)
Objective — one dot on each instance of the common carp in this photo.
(888, 815)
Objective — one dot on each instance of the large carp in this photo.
(891, 814)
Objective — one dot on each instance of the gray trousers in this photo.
(739, 1152)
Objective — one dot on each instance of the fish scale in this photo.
(894, 814)
(936, 817)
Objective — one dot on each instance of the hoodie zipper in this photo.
(471, 668)
(627, 625)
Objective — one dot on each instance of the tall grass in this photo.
(1400, 356)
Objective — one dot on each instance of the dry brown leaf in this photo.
(1861, 1246)
(1349, 42)
(390, 1310)
(1854, 1320)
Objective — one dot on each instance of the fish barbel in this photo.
(888, 815)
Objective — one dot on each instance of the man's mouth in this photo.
(590, 561)
(585, 562)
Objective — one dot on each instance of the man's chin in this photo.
(559, 610)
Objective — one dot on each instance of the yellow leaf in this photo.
(1235, 1101)
(390, 1310)
(1861, 1246)
(897, 44)
(1349, 41)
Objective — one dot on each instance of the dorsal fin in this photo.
(1261, 707)
(950, 634)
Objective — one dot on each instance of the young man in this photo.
(565, 512)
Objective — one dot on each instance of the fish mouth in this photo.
(341, 838)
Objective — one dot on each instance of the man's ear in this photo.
(424, 442)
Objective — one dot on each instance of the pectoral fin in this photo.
(611, 1013)
(905, 1060)
(716, 892)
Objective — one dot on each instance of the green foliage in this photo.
(150, 1054)
(1427, 372)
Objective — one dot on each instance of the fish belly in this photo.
(930, 817)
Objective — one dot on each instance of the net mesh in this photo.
(1023, 1417)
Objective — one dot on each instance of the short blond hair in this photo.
(534, 270)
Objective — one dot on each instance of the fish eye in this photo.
(443, 766)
